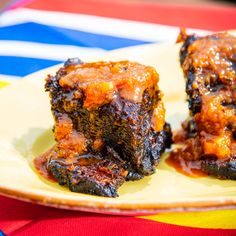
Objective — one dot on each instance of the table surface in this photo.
(34, 25)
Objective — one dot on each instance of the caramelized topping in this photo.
(101, 82)
(213, 58)
(98, 144)
(212, 125)
(158, 117)
(182, 36)
(69, 141)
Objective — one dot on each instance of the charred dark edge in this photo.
(73, 61)
(221, 170)
(62, 172)
(82, 185)
(193, 98)
(184, 48)
(163, 140)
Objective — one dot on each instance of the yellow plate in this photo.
(25, 132)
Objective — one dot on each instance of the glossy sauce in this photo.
(102, 82)
(40, 165)
(188, 168)
(179, 136)
(158, 117)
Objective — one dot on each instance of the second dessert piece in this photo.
(209, 66)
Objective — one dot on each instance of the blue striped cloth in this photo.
(31, 40)
(1, 233)
(45, 34)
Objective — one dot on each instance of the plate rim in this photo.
(119, 208)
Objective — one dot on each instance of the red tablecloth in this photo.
(19, 218)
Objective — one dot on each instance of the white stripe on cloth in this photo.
(46, 51)
(9, 78)
(96, 24)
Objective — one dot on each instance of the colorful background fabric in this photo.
(42, 33)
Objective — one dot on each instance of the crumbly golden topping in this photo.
(101, 82)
